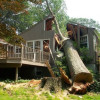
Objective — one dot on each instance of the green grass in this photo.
(89, 96)
(30, 93)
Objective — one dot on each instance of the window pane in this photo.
(30, 46)
(37, 45)
(18, 50)
(84, 41)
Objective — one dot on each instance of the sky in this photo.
(84, 9)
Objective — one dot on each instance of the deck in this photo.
(17, 56)
(26, 56)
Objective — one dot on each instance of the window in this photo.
(37, 45)
(46, 45)
(30, 46)
(18, 50)
(84, 41)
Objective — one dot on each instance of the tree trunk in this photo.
(78, 70)
(52, 84)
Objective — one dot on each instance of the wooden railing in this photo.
(36, 56)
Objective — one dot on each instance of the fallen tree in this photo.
(78, 70)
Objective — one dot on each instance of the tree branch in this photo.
(55, 21)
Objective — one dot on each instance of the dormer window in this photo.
(49, 23)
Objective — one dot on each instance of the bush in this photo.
(63, 64)
(95, 87)
(84, 54)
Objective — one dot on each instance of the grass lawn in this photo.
(30, 93)
(25, 92)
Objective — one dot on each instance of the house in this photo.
(85, 37)
(29, 59)
(40, 38)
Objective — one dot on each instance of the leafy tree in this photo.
(9, 9)
(37, 13)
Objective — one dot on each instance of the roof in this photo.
(47, 17)
(3, 41)
(92, 29)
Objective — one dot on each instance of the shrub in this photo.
(63, 64)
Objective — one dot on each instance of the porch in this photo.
(15, 57)
(22, 55)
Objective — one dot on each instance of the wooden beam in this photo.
(16, 74)
(6, 51)
(50, 69)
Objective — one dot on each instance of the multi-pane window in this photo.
(84, 41)
(30, 46)
(18, 49)
(37, 45)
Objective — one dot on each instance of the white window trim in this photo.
(41, 43)
(16, 50)
(87, 40)
(27, 46)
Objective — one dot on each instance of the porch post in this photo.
(22, 52)
(16, 74)
(34, 56)
(6, 51)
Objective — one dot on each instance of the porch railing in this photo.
(36, 56)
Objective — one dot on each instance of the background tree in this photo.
(37, 13)
(8, 10)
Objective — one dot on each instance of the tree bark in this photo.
(78, 70)
(52, 84)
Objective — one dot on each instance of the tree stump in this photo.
(52, 84)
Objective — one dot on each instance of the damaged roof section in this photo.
(49, 23)
(75, 29)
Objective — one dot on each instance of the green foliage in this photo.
(63, 64)
(37, 13)
(88, 96)
(84, 54)
(12, 81)
(95, 86)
